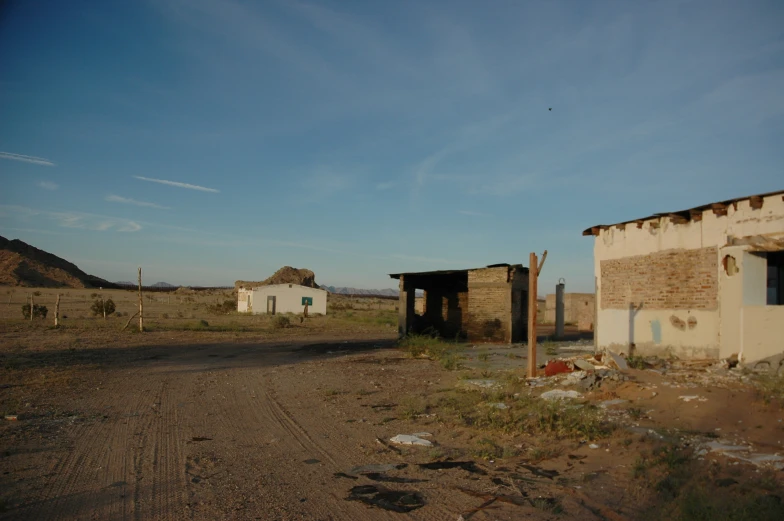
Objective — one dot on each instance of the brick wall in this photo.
(672, 279)
(489, 305)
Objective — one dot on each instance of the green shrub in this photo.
(281, 322)
(100, 307)
(38, 311)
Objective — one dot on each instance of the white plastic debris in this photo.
(409, 439)
(593, 446)
(558, 394)
(693, 397)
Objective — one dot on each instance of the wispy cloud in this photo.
(385, 186)
(77, 220)
(177, 184)
(26, 159)
(48, 185)
(125, 200)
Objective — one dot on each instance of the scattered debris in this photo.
(585, 365)
(409, 439)
(558, 394)
(394, 500)
(593, 446)
(618, 360)
(742, 453)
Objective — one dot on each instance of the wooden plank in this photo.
(532, 279)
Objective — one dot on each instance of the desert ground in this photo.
(211, 414)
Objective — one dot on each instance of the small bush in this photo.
(164, 315)
(281, 322)
(101, 306)
(202, 323)
(37, 293)
(38, 311)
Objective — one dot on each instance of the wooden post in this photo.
(103, 308)
(57, 311)
(141, 302)
(533, 276)
(31, 307)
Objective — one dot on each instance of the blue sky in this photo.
(215, 140)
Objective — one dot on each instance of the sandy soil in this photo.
(202, 425)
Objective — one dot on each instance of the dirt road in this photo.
(226, 431)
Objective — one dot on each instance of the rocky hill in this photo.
(25, 265)
(285, 275)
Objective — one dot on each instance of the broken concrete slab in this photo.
(558, 394)
(585, 365)
(618, 360)
(408, 439)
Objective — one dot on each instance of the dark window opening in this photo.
(775, 278)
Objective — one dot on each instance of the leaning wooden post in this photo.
(57, 311)
(141, 302)
(533, 267)
(31, 307)
(103, 308)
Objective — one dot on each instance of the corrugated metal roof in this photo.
(452, 272)
(684, 215)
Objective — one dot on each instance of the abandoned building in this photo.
(578, 310)
(700, 283)
(481, 305)
(281, 298)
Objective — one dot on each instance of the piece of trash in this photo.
(693, 397)
(378, 476)
(311, 461)
(610, 403)
(593, 446)
(585, 365)
(549, 474)
(11, 417)
(468, 466)
(558, 394)
(555, 367)
(618, 360)
(394, 500)
(498, 405)
(384, 467)
(408, 439)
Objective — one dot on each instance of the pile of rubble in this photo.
(584, 372)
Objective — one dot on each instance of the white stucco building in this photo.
(281, 298)
(707, 282)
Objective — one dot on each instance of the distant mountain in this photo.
(364, 292)
(125, 283)
(163, 285)
(25, 265)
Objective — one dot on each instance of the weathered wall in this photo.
(578, 309)
(662, 286)
(288, 299)
(244, 300)
(489, 305)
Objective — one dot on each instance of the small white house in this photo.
(281, 298)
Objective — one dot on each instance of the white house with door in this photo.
(282, 298)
